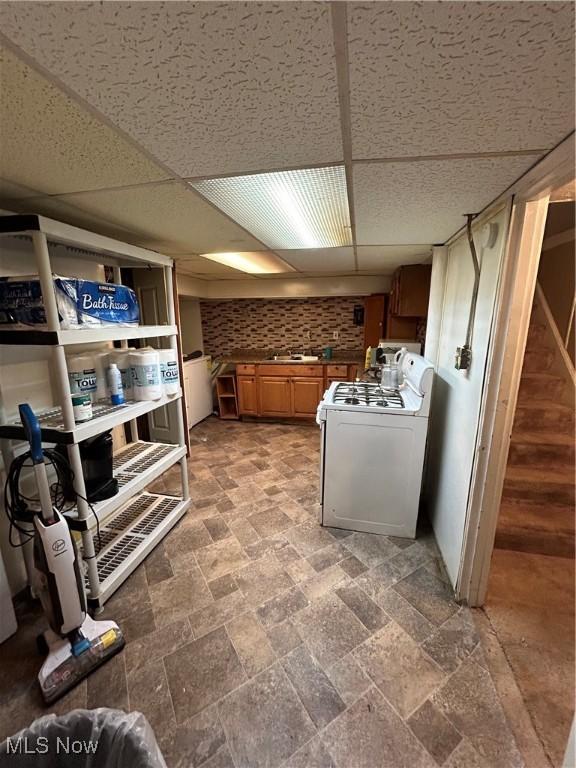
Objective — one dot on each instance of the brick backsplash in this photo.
(281, 324)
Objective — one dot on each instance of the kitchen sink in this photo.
(295, 358)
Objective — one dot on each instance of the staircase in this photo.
(537, 508)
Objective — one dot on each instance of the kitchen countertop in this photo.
(256, 356)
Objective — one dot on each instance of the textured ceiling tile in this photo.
(425, 202)
(320, 259)
(201, 266)
(56, 208)
(66, 149)
(169, 212)
(206, 87)
(386, 258)
(430, 78)
(15, 191)
(195, 268)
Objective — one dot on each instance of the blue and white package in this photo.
(81, 303)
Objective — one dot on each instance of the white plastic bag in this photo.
(84, 738)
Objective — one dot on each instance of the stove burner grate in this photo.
(364, 393)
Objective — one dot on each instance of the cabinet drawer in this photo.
(298, 369)
(245, 369)
(337, 370)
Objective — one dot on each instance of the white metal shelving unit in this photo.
(119, 532)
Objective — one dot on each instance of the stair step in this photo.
(546, 530)
(537, 360)
(539, 475)
(538, 330)
(543, 438)
(538, 416)
(540, 487)
(541, 386)
(515, 513)
(536, 542)
(542, 454)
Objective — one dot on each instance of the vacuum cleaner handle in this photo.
(32, 431)
(34, 436)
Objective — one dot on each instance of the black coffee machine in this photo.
(97, 467)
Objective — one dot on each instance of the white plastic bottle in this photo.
(115, 384)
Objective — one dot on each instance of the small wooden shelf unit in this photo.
(227, 396)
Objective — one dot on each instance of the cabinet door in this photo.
(274, 395)
(413, 290)
(306, 394)
(247, 395)
(373, 320)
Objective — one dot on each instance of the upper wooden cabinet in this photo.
(410, 291)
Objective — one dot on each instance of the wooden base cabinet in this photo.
(274, 396)
(286, 391)
(306, 394)
(247, 395)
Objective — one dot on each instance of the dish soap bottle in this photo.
(115, 384)
(368, 359)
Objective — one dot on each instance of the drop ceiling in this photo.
(109, 110)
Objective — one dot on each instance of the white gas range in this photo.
(372, 451)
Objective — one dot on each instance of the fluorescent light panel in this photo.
(306, 208)
(254, 262)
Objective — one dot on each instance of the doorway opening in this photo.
(530, 597)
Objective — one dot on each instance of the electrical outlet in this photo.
(335, 334)
(463, 358)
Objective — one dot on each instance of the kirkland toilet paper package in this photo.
(81, 303)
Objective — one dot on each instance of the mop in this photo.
(75, 643)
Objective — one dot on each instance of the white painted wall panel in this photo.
(190, 326)
(457, 394)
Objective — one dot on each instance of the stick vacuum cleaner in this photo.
(75, 643)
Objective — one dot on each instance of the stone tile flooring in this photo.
(257, 639)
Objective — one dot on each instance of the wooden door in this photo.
(274, 396)
(247, 395)
(373, 319)
(306, 394)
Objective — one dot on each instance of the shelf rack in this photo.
(117, 533)
(227, 396)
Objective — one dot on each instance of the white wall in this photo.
(283, 288)
(190, 325)
(457, 394)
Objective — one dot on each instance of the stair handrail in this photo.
(561, 344)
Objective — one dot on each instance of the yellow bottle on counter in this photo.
(368, 358)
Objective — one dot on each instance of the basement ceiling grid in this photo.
(435, 109)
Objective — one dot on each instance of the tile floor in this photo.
(257, 639)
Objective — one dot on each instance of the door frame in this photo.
(504, 365)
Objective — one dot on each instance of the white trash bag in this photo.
(84, 738)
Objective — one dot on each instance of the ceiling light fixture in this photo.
(305, 208)
(254, 262)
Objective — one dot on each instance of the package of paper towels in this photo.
(81, 303)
